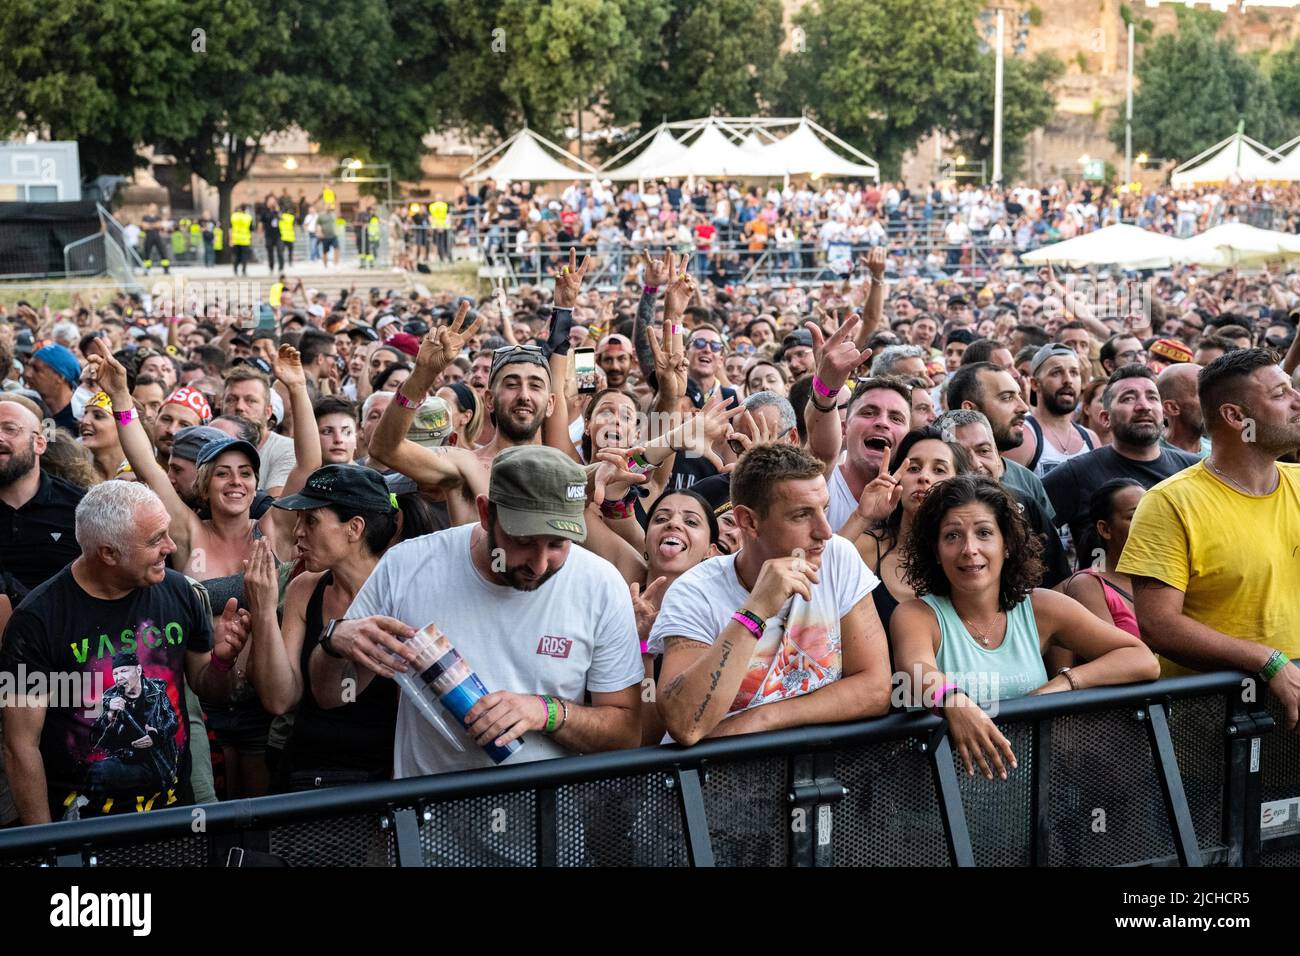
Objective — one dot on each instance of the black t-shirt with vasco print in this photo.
(116, 734)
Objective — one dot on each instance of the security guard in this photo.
(276, 293)
(287, 235)
(438, 219)
(241, 238)
(196, 239)
(154, 227)
(373, 227)
(181, 238)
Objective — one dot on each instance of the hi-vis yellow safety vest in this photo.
(372, 228)
(286, 227)
(216, 238)
(327, 196)
(196, 232)
(241, 229)
(438, 214)
(277, 290)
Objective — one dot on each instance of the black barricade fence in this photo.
(1162, 773)
(33, 235)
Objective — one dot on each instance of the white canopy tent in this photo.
(1239, 244)
(525, 156)
(1288, 167)
(743, 148)
(1121, 245)
(664, 151)
(801, 151)
(1235, 159)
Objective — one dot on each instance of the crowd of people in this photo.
(769, 506)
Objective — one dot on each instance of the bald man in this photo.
(37, 511)
(1185, 427)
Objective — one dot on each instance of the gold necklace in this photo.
(982, 636)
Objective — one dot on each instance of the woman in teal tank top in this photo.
(981, 624)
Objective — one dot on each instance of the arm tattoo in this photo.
(645, 313)
(683, 644)
(713, 681)
(674, 686)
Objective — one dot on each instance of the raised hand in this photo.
(658, 272)
(106, 372)
(670, 360)
(442, 344)
(681, 290)
(261, 581)
(760, 433)
(608, 475)
(875, 262)
(837, 356)
(288, 367)
(646, 605)
(230, 632)
(882, 493)
(712, 424)
(568, 280)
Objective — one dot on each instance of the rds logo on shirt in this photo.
(555, 646)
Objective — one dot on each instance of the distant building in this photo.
(40, 172)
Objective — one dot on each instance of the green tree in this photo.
(721, 57)
(1027, 104)
(1284, 75)
(883, 74)
(1192, 90)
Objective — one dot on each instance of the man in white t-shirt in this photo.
(542, 623)
(784, 632)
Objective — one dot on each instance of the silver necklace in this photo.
(982, 636)
(1234, 482)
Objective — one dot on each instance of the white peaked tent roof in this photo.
(528, 156)
(1288, 167)
(802, 151)
(713, 154)
(1236, 158)
(664, 151)
(1119, 245)
(1239, 244)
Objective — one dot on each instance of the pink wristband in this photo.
(649, 290)
(820, 388)
(220, 665)
(940, 694)
(402, 400)
(125, 417)
(749, 625)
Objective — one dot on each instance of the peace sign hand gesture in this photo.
(442, 344)
(568, 280)
(670, 360)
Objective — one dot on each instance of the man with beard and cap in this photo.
(1053, 436)
(1131, 406)
(989, 388)
(615, 355)
(37, 510)
(1184, 422)
(1212, 550)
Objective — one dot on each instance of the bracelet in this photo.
(1069, 678)
(220, 665)
(402, 400)
(821, 388)
(825, 409)
(125, 417)
(638, 464)
(1273, 666)
(564, 719)
(552, 715)
(941, 695)
(751, 622)
(649, 290)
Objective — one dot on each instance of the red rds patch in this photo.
(554, 646)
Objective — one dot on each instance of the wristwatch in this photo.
(329, 636)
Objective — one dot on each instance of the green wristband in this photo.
(1273, 666)
(552, 714)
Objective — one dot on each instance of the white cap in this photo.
(277, 406)
(316, 310)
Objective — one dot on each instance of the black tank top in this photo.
(356, 736)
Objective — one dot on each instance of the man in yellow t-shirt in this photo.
(1214, 551)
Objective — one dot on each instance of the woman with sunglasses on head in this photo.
(982, 626)
(466, 413)
(762, 375)
(344, 520)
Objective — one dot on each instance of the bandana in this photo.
(193, 400)
(101, 401)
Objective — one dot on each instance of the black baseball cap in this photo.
(796, 338)
(211, 450)
(189, 442)
(350, 486)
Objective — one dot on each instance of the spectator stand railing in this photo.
(1162, 773)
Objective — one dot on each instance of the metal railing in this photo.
(1160, 773)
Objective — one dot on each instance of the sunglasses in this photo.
(743, 349)
(709, 344)
(515, 348)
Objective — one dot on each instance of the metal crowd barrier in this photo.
(1164, 773)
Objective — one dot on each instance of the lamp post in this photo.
(1128, 111)
(997, 100)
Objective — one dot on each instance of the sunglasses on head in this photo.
(710, 344)
(512, 348)
(743, 349)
